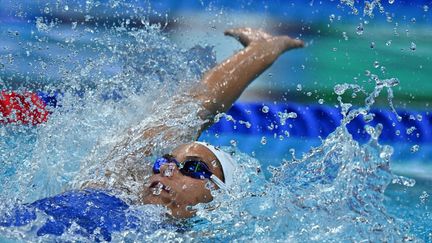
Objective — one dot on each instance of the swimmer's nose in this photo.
(169, 169)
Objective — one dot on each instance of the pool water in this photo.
(110, 72)
(411, 203)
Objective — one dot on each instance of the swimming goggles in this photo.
(193, 168)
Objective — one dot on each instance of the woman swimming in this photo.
(216, 92)
(179, 179)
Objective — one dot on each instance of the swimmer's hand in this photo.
(246, 36)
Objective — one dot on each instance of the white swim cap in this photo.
(226, 160)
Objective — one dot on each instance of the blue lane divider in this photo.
(321, 120)
(311, 121)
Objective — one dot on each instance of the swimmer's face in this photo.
(178, 191)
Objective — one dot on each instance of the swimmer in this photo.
(178, 180)
(218, 90)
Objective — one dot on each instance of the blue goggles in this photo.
(193, 168)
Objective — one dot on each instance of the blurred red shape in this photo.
(22, 108)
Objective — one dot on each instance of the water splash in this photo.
(380, 84)
(336, 191)
(368, 9)
(108, 84)
(333, 192)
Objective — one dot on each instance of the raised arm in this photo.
(222, 85)
(218, 90)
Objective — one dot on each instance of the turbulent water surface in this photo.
(119, 76)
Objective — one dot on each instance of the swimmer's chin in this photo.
(147, 197)
(174, 210)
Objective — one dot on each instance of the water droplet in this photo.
(247, 124)
(332, 17)
(157, 189)
(413, 20)
(386, 152)
(376, 64)
(415, 148)
(233, 142)
(401, 180)
(388, 83)
(410, 130)
(309, 93)
(321, 101)
(355, 11)
(292, 152)
(424, 197)
(360, 29)
(271, 127)
(41, 25)
(391, 1)
(263, 140)
(209, 186)
(229, 118)
(372, 45)
(388, 43)
(397, 132)
(368, 118)
(299, 87)
(339, 89)
(413, 46)
(169, 171)
(344, 35)
(425, 8)
(419, 117)
(265, 109)
(214, 163)
(283, 116)
(389, 19)
(66, 7)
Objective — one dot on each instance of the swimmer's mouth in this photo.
(156, 187)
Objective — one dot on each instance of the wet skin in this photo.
(177, 191)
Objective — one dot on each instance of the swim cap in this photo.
(226, 160)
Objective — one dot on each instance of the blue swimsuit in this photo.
(90, 209)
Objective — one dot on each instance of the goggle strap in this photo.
(218, 182)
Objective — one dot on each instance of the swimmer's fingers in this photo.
(248, 35)
(292, 43)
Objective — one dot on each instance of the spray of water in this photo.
(113, 89)
(336, 191)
